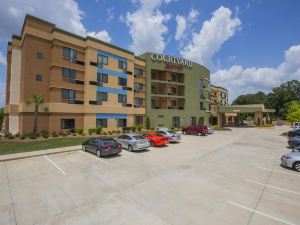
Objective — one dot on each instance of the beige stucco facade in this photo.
(35, 61)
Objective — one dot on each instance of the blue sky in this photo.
(248, 45)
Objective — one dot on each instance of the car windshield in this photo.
(109, 142)
(139, 137)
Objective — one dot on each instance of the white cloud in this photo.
(65, 14)
(147, 26)
(239, 80)
(2, 59)
(193, 15)
(211, 36)
(181, 25)
(102, 35)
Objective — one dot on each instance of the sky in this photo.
(248, 45)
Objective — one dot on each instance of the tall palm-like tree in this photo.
(35, 100)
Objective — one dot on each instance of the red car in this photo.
(198, 130)
(156, 139)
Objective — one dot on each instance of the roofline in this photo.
(139, 58)
(175, 56)
(218, 87)
(57, 29)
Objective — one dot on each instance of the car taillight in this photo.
(119, 145)
(106, 147)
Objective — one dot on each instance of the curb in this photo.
(36, 155)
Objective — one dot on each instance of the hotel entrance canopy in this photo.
(253, 108)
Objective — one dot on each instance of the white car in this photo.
(172, 136)
(210, 130)
(296, 125)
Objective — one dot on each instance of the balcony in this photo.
(168, 90)
(167, 103)
(162, 76)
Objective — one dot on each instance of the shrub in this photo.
(79, 131)
(114, 131)
(22, 136)
(37, 134)
(54, 134)
(45, 135)
(64, 134)
(83, 134)
(74, 134)
(11, 137)
(118, 131)
(110, 132)
(32, 136)
(43, 132)
(133, 128)
(139, 127)
(104, 133)
(60, 133)
(17, 135)
(7, 134)
(91, 131)
(98, 130)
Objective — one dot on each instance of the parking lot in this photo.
(225, 178)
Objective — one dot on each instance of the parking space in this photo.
(225, 178)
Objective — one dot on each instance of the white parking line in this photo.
(260, 213)
(94, 157)
(270, 186)
(277, 171)
(56, 166)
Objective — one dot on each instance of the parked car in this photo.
(296, 149)
(197, 130)
(294, 141)
(173, 137)
(291, 160)
(210, 130)
(102, 146)
(296, 125)
(156, 139)
(293, 133)
(133, 142)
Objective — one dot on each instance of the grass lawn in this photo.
(10, 147)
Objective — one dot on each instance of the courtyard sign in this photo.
(171, 61)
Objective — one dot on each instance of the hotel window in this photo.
(68, 73)
(193, 121)
(122, 65)
(122, 81)
(101, 123)
(101, 77)
(39, 55)
(173, 90)
(102, 60)
(138, 101)
(173, 103)
(176, 121)
(173, 77)
(101, 96)
(138, 86)
(138, 72)
(201, 106)
(139, 120)
(39, 77)
(68, 94)
(67, 123)
(122, 122)
(122, 98)
(70, 53)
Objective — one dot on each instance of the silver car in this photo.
(210, 130)
(133, 142)
(173, 137)
(291, 160)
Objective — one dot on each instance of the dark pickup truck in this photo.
(196, 130)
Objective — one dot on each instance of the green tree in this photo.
(257, 98)
(37, 101)
(293, 112)
(281, 96)
(1, 117)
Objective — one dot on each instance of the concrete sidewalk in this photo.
(23, 155)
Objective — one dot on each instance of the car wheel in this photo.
(130, 148)
(83, 148)
(152, 144)
(296, 166)
(98, 153)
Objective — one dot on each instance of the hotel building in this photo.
(218, 97)
(87, 83)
